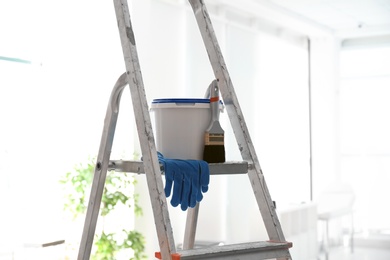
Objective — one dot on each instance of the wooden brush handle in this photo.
(214, 101)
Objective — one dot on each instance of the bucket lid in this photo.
(180, 100)
(184, 102)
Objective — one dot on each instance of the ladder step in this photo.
(244, 251)
(215, 168)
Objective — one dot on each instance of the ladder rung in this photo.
(252, 250)
(215, 168)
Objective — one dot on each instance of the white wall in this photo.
(52, 109)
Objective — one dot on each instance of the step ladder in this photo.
(275, 247)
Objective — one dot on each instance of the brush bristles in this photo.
(214, 149)
(214, 139)
(214, 153)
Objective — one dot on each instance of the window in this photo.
(365, 128)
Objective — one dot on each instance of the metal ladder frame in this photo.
(276, 247)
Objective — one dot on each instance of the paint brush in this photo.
(214, 149)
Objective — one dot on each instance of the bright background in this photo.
(52, 109)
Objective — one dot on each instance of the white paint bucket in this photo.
(180, 125)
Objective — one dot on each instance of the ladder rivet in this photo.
(99, 166)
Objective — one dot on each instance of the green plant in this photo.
(118, 190)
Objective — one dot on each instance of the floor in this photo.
(360, 253)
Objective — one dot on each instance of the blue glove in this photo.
(196, 180)
(204, 178)
(189, 179)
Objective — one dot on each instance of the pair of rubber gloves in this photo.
(189, 178)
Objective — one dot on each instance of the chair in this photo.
(335, 202)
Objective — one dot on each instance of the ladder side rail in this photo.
(236, 117)
(190, 228)
(101, 169)
(145, 132)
